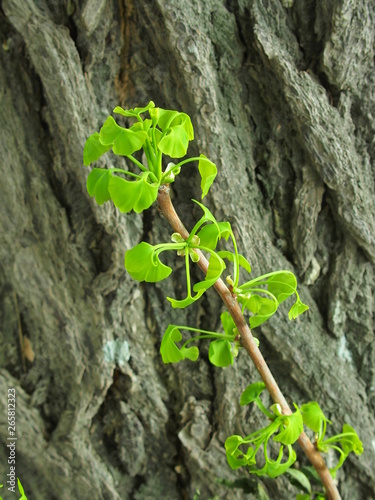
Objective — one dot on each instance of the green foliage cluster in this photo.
(168, 133)
(285, 429)
(165, 132)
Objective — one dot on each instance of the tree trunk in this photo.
(281, 95)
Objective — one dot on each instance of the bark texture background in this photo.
(281, 95)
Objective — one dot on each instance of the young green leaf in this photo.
(184, 120)
(220, 353)
(93, 149)
(124, 141)
(211, 233)
(216, 266)
(208, 172)
(293, 427)
(166, 119)
(251, 393)
(207, 217)
(261, 307)
(21, 490)
(282, 285)
(224, 254)
(174, 142)
(297, 309)
(275, 468)
(311, 473)
(298, 478)
(235, 457)
(314, 418)
(191, 353)
(144, 265)
(162, 117)
(351, 441)
(134, 111)
(181, 304)
(144, 125)
(97, 184)
(132, 195)
(170, 353)
(228, 324)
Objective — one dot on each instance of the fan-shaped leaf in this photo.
(211, 233)
(97, 184)
(191, 353)
(169, 350)
(93, 149)
(313, 417)
(220, 353)
(262, 307)
(351, 442)
(162, 117)
(252, 393)
(235, 457)
(166, 118)
(174, 142)
(132, 195)
(297, 309)
(208, 172)
(293, 426)
(124, 141)
(144, 265)
(134, 111)
(170, 353)
(282, 285)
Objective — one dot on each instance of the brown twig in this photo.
(247, 340)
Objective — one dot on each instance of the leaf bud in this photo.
(195, 240)
(229, 280)
(194, 256)
(177, 238)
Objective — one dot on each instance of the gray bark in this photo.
(281, 95)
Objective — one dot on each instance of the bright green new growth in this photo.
(223, 347)
(290, 428)
(168, 132)
(287, 427)
(344, 443)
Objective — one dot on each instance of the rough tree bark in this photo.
(281, 95)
